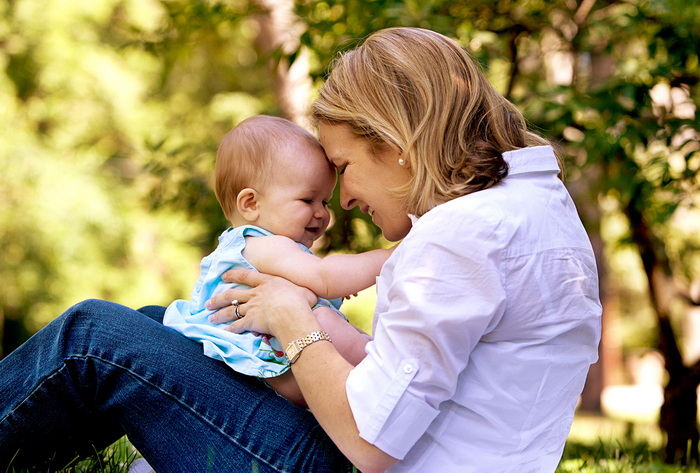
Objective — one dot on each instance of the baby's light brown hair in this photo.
(248, 154)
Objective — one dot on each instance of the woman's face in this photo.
(366, 179)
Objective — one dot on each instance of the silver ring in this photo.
(235, 309)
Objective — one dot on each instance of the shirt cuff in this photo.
(387, 415)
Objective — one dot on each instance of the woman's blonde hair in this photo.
(248, 155)
(421, 93)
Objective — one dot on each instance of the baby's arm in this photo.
(346, 338)
(337, 275)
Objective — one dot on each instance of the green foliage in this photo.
(636, 127)
(73, 222)
(114, 111)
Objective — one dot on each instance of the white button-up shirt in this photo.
(487, 320)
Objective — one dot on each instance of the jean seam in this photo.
(208, 421)
(38, 387)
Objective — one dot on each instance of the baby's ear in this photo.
(247, 204)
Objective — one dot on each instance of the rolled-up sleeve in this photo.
(395, 420)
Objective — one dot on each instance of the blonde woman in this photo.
(487, 316)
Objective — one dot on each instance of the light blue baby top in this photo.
(249, 353)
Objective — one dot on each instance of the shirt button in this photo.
(408, 369)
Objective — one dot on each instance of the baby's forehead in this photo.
(289, 162)
(330, 176)
(302, 146)
(302, 152)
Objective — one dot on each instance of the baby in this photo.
(273, 182)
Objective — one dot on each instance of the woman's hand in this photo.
(276, 306)
(270, 302)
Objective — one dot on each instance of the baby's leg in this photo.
(286, 386)
(347, 339)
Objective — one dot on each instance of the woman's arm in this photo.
(337, 275)
(276, 306)
(348, 340)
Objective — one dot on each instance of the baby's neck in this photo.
(239, 221)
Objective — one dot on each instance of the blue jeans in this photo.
(101, 370)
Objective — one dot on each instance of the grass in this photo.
(616, 458)
(115, 459)
(602, 445)
(595, 445)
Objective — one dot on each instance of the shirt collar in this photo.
(524, 160)
(532, 159)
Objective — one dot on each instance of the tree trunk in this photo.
(678, 416)
(280, 38)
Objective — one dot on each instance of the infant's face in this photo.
(295, 201)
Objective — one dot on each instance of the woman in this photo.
(486, 322)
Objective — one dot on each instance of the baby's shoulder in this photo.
(271, 245)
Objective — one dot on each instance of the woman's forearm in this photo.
(274, 305)
(321, 373)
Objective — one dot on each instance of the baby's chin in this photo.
(311, 235)
(307, 242)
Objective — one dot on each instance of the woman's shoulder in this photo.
(531, 182)
(478, 208)
(462, 224)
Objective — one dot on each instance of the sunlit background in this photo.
(111, 111)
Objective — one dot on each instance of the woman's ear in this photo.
(247, 204)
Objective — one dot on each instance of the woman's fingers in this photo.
(223, 302)
(224, 299)
(260, 305)
(227, 313)
(247, 277)
(264, 286)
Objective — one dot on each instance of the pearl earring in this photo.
(402, 162)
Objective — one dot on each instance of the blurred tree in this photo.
(73, 224)
(114, 108)
(279, 38)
